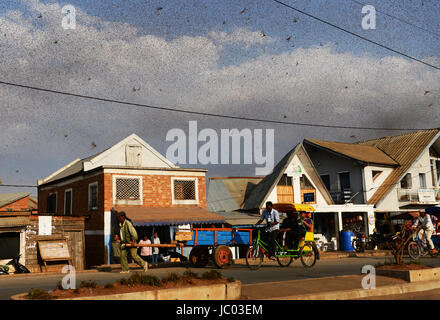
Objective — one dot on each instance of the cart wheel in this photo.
(254, 257)
(199, 257)
(222, 257)
(308, 255)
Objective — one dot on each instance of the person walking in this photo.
(156, 240)
(116, 250)
(146, 252)
(129, 237)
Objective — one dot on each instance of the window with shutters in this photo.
(133, 156)
(127, 190)
(184, 191)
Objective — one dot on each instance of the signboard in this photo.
(371, 220)
(426, 195)
(44, 225)
(54, 250)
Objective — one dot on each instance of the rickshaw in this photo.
(306, 251)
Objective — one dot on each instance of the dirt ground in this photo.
(121, 288)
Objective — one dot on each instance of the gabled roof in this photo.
(81, 165)
(227, 194)
(405, 149)
(8, 198)
(260, 193)
(368, 154)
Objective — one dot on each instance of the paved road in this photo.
(267, 273)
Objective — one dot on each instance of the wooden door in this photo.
(285, 193)
(75, 240)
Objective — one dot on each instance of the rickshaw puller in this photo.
(272, 218)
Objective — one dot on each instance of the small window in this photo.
(326, 179)
(127, 189)
(375, 174)
(51, 203)
(184, 190)
(422, 180)
(133, 156)
(68, 202)
(285, 180)
(93, 196)
(406, 182)
(305, 183)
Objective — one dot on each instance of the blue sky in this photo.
(207, 56)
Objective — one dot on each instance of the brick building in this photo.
(129, 176)
(20, 201)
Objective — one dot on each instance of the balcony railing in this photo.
(425, 195)
(341, 196)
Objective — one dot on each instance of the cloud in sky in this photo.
(112, 60)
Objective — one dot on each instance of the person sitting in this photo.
(294, 230)
(307, 221)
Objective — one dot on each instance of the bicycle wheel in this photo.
(308, 255)
(414, 250)
(356, 245)
(283, 258)
(254, 257)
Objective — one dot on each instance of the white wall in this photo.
(370, 185)
(422, 165)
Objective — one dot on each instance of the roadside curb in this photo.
(49, 273)
(363, 293)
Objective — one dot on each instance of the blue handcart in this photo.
(219, 240)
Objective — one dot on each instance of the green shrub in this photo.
(109, 285)
(231, 279)
(212, 275)
(172, 277)
(76, 291)
(88, 284)
(38, 294)
(145, 279)
(188, 274)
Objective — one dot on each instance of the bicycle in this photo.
(306, 251)
(419, 248)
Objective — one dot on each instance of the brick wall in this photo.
(156, 191)
(80, 201)
(19, 205)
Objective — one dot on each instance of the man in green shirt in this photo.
(128, 236)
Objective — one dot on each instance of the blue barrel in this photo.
(346, 241)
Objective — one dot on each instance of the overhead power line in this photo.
(17, 186)
(320, 125)
(357, 35)
(399, 19)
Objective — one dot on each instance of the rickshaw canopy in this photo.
(298, 207)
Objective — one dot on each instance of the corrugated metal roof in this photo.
(228, 193)
(363, 153)
(7, 198)
(405, 149)
(237, 218)
(144, 216)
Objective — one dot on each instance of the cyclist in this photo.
(272, 218)
(426, 227)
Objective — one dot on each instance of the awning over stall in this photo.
(433, 210)
(144, 216)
